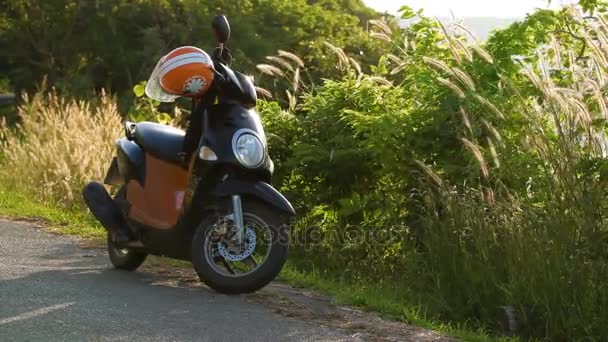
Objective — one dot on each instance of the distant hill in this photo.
(481, 27)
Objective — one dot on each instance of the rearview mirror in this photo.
(221, 28)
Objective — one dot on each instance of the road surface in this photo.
(53, 290)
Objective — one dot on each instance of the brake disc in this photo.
(224, 247)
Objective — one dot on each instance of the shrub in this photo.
(487, 173)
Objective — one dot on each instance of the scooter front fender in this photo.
(261, 190)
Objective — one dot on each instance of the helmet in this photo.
(186, 71)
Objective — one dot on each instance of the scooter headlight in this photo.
(248, 149)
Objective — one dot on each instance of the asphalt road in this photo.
(53, 290)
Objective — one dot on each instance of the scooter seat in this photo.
(162, 141)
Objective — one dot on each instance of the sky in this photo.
(467, 8)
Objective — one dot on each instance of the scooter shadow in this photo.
(155, 271)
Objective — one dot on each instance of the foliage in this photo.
(86, 45)
(475, 181)
(147, 109)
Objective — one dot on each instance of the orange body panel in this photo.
(159, 203)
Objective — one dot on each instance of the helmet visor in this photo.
(154, 89)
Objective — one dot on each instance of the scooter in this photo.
(218, 211)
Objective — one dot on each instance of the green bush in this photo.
(476, 181)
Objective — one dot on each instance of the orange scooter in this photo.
(218, 211)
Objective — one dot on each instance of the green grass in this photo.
(390, 303)
(16, 205)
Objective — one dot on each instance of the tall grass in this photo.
(515, 218)
(59, 145)
(542, 251)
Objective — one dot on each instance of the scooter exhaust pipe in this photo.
(105, 210)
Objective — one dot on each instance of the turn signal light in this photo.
(207, 154)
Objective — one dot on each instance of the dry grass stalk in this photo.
(599, 98)
(61, 145)
(293, 57)
(435, 179)
(602, 25)
(582, 113)
(599, 72)
(533, 77)
(394, 58)
(570, 93)
(280, 61)
(493, 131)
(270, 70)
(465, 120)
(488, 196)
(263, 92)
(448, 40)
(409, 44)
(381, 36)
(466, 30)
(482, 53)
(600, 36)
(557, 50)
(493, 152)
(476, 151)
(355, 65)
(292, 100)
(439, 65)
(296, 80)
(342, 57)
(464, 78)
(398, 69)
(490, 106)
(452, 86)
(465, 49)
(595, 49)
(380, 80)
(382, 26)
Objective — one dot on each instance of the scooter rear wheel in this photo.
(124, 258)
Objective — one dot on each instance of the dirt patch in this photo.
(301, 304)
(312, 306)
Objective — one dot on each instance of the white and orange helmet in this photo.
(186, 71)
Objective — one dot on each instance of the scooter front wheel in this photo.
(229, 266)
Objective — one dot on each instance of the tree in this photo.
(82, 46)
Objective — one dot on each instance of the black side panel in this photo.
(130, 160)
(239, 87)
(249, 95)
(174, 243)
(224, 120)
(113, 176)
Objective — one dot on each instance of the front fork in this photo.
(237, 215)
